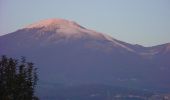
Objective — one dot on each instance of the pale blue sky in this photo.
(145, 22)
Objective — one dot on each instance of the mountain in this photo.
(68, 53)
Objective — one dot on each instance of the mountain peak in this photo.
(54, 22)
(69, 30)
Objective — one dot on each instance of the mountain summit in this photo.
(71, 54)
(53, 22)
(53, 31)
(64, 28)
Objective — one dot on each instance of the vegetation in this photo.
(18, 79)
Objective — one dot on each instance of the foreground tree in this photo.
(17, 79)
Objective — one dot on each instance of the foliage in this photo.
(17, 79)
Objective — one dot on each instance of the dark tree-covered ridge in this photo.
(18, 79)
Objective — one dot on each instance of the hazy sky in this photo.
(145, 22)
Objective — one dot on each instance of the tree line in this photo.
(18, 79)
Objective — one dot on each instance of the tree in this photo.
(17, 79)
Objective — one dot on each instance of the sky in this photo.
(144, 22)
